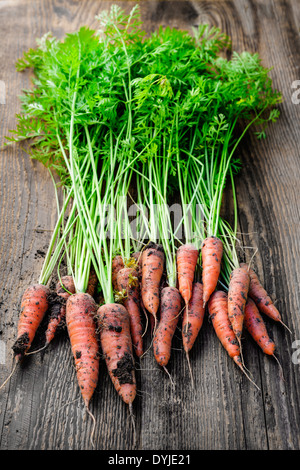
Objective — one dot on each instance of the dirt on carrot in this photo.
(34, 305)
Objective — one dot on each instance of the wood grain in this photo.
(40, 408)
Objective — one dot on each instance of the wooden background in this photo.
(40, 408)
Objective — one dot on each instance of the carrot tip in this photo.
(280, 321)
(238, 361)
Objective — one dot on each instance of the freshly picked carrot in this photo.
(170, 307)
(127, 282)
(237, 297)
(57, 311)
(80, 319)
(153, 260)
(211, 253)
(256, 327)
(187, 258)
(192, 318)
(115, 337)
(218, 312)
(261, 297)
(34, 305)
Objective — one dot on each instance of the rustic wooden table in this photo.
(40, 408)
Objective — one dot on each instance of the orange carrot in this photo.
(139, 263)
(187, 257)
(127, 280)
(92, 284)
(257, 328)
(33, 308)
(169, 315)
(117, 264)
(261, 297)
(237, 297)
(80, 312)
(212, 252)
(64, 289)
(192, 319)
(218, 312)
(152, 269)
(114, 325)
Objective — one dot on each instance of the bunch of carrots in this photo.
(122, 116)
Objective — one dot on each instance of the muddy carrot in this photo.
(237, 297)
(33, 308)
(127, 281)
(256, 327)
(261, 298)
(116, 344)
(57, 310)
(218, 312)
(170, 308)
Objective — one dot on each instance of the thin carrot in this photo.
(80, 312)
(170, 308)
(192, 319)
(218, 312)
(127, 280)
(33, 308)
(152, 269)
(57, 310)
(237, 297)
(114, 325)
(117, 264)
(211, 252)
(187, 257)
(261, 297)
(256, 327)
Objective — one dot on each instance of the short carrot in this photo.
(237, 297)
(211, 253)
(153, 259)
(218, 313)
(57, 310)
(186, 257)
(170, 308)
(127, 281)
(80, 312)
(261, 297)
(33, 308)
(256, 327)
(114, 326)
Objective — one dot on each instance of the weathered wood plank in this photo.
(41, 406)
